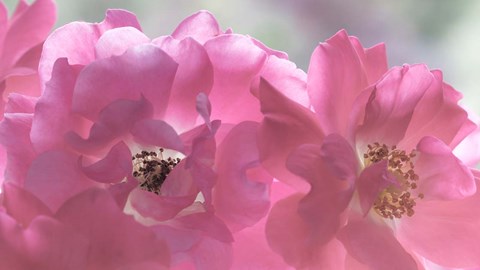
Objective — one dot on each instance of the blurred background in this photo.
(444, 34)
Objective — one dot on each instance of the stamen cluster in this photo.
(151, 169)
(395, 200)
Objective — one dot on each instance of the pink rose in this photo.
(157, 136)
(377, 185)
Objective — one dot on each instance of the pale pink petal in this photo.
(336, 76)
(269, 51)
(204, 107)
(286, 125)
(15, 131)
(201, 26)
(371, 182)
(287, 78)
(114, 121)
(158, 207)
(445, 232)
(52, 118)
(27, 30)
(211, 254)
(251, 250)
(3, 22)
(375, 245)
(434, 110)
(76, 41)
(143, 70)
(194, 76)
(118, 40)
(374, 59)
(158, 133)
(113, 168)
(468, 150)
(20, 104)
(208, 224)
(54, 177)
(321, 209)
(451, 180)
(392, 103)
(230, 96)
(339, 157)
(22, 205)
(239, 200)
(115, 238)
(291, 237)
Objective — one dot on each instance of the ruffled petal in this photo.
(445, 232)
(289, 235)
(26, 30)
(230, 96)
(22, 205)
(437, 115)
(118, 40)
(54, 177)
(240, 200)
(285, 126)
(337, 73)
(144, 70)
(158, 133)
(194, 76)
(76, 41)
(441, 175)
(391, 105)
(113, 168)
(201, 26)
(375, 245)
(115, 239)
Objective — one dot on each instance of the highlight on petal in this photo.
(201, 26)
(118, 40)
(375, 245)
(391, 105)
(442, 176)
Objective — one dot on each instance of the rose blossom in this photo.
(378, 186)
(144, 151)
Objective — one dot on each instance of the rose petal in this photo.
(201, 26)
(451, 180)
(114, 167)
(239, 200)
(158, 133)
(375, 245)
(118, 40)
(286, 125)
(76, 41)
(392, 103)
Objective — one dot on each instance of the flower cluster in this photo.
(205, 149)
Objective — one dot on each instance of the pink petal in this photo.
(211, 254)
(230, 96)
(337, 73)
(158, 133)
(371, 182)
(115, 239)
(445, 232)
(201, 26)
(440, 116)
(118, 40)
(321, 209)
(194, 76)
(339, 157)
(287, 78)
(269, 51)
(76, 41)
(374, 245)
(286, 125)
(114, 121)
(20, 104)
(27, 30)
(15, 131)
(158, 207)
(451, 180)
(207, 223)
(143, 70)
(289, 235)
(112, 168)
(204, 107)
(54, 177)
(239, 200)
(52, 113)
(22, 205)
(392, 103)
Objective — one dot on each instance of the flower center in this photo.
(151, 169)
(395, 200)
